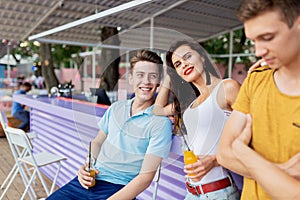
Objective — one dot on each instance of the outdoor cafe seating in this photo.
(27, 163)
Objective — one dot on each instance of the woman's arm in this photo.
(232, 88)
(232, 129)
(161, 106)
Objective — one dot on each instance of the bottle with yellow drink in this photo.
(189, 156)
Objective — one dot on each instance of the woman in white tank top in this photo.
(205, 101)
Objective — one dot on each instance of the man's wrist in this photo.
(93, 160)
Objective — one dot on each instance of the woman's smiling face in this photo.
(188, 63)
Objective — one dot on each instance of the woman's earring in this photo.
(208, 81)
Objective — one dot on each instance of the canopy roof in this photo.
(198, 19)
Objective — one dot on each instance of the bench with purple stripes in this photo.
(171, 184)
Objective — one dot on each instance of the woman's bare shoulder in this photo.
(231, 84)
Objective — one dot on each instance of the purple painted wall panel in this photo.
(62, 129)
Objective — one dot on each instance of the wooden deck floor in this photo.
(16, 189)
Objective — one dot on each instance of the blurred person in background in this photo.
(18, 110)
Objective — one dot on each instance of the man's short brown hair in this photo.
(150, 56)
(289, 9)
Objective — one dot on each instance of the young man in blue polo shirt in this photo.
(131, 142)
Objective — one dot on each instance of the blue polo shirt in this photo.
(129, 138)
(16, 107)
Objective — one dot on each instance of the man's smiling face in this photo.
(145, 80)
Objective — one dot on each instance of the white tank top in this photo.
(204, 125)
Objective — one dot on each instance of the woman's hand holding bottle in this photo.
(197, 170)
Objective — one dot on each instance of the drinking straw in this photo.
(184, 139)
(90, 146)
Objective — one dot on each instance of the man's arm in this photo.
(141, 181)
(292, 166)
(225, 157)
(84, 176)
(276, 182)
(97, 143)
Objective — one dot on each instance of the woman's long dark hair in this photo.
(183, 93)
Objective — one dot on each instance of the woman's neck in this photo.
(205, 90)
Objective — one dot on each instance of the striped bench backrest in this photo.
(171, 182)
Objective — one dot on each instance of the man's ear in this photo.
(297, 22)
(130, 79)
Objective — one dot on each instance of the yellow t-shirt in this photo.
(276, 123)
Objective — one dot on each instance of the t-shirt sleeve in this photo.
(161, 138)
(103, 123)
(242, 102)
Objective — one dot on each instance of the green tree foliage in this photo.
(24, 49)
(55, 55)
(220, 45)
(62, 54)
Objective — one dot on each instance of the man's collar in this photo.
(147, 111)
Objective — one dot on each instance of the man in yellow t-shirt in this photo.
(271, 95)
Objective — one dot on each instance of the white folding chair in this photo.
(19, 139)
(14, 171)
